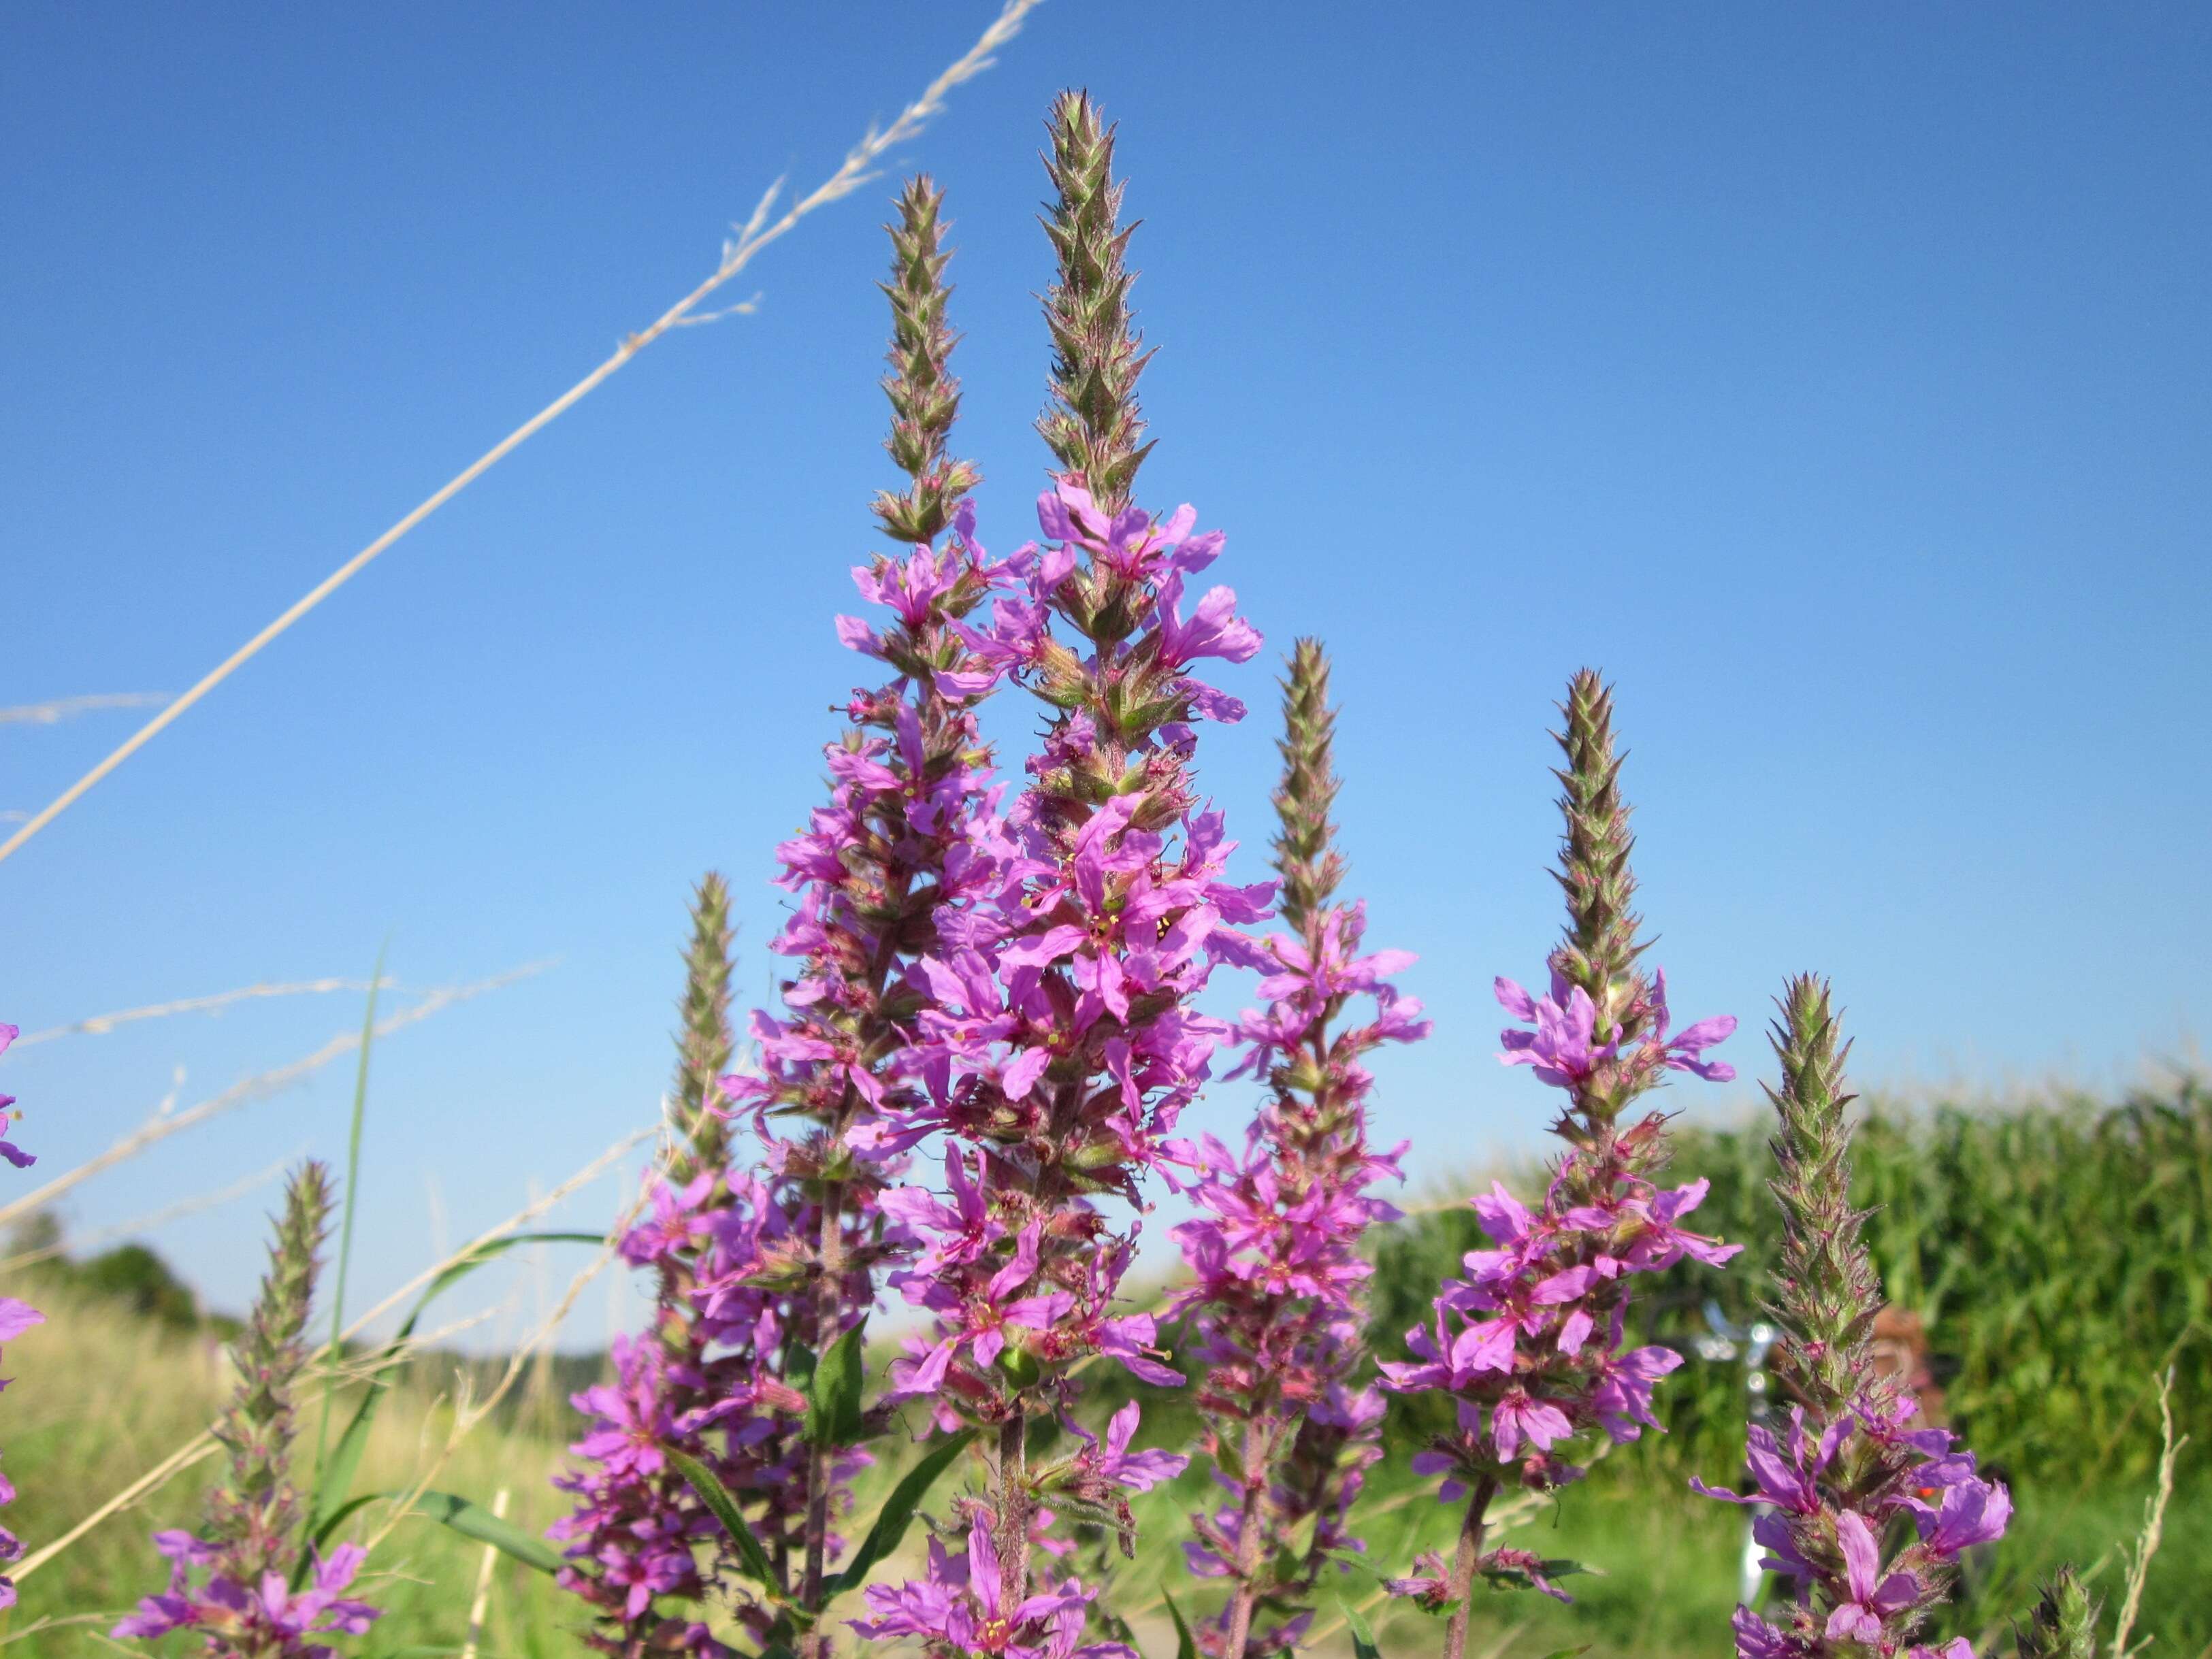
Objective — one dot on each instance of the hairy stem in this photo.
(1460, 1588)
(1013, 1537)
(1258, 1454)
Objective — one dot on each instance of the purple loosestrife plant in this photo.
(1058, 1042)
(1529, 1342)
(637, 1530)
(878, 870)
(1276, 1306)
(231, 1584)
(1865, 1515)
(15, 1318)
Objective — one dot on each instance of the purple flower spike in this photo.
(1851, 1460)
(1529, 1341)
(265, 1619)
(1276, 1305)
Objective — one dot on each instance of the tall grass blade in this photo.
(345, 1222)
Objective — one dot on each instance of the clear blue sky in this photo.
(1836, 377)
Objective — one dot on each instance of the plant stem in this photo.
(817, 1645)
(1258, 1455)
(1465, 1560)
(1013, 1539)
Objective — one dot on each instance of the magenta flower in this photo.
(1053, 1043)
(1111, 1463)
(264, 1618)
(1560, 1048)
(1971, 1512)
(14, 1154)
(1520, 1418)
(1564, 1051)
(1275, 1304)
(1784, 1473)
(960, 1607)
(1874, 1595)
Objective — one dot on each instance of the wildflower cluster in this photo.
(1275, 1302)
(1530, 1341)
(762, 1273)
(235, 1585)
(1851, 1472)
(1059, 1044)
(16, 1316)
(697, 1382)
(1007, 993)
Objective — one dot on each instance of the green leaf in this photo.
(898, 1512)
(1363, 1634)
(798, 1364)
(1569, 1653)
(1186, 1645)
(331, 1504)
(1356, 1562)
(473, 1520)
(833, 1395)
(716, 1496)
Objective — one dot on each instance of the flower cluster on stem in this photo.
(1529, 1342)
(234, 1584)
(1276, 1305)
(791, 1264)
(691, 1384)
(16, 1316)
(1058, 1039)
(1862, 1515)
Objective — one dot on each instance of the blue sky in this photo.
(1838, 378)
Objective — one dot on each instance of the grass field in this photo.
(102, 1394)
